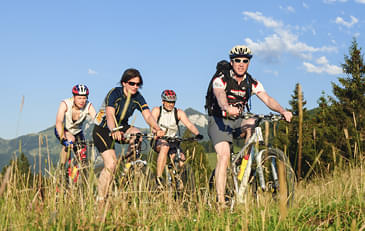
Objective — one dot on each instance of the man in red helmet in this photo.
(71, 115)
(168, 117)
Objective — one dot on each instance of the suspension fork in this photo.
(259, 170)
(135, 147)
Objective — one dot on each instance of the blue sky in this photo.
(46, 47)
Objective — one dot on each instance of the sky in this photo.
(46, 47)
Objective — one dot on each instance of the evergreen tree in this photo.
(349, 101)
(23, 164)
(21, 169)
(325, 129)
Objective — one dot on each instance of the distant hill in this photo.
(45, 141)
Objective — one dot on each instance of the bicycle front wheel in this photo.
(136, 177)
(183, 181)
(268, 177)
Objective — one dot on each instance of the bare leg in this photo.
(223, 153)
(162, 158)
(106, 175)
(64, 156)
(247, 129)
(132, 147)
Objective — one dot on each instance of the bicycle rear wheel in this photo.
(267, 177)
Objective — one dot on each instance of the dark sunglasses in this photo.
(134, 84)
(241, 60)
(169, 101)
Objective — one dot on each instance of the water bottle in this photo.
(243, 166)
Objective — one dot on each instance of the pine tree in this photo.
(326, 128)
(349, 101)
(22, 169)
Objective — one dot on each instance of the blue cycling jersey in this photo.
(116, 99)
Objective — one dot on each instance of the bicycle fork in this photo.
(260, 172)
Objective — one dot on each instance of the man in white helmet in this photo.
(71, 115)
(229, 96)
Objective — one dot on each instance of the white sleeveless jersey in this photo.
(167, 122)
(75, 127)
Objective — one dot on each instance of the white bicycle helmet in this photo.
(240, 51)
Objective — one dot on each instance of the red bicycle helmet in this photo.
(80, 89)
(168, 95)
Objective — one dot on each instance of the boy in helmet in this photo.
(71, 114)
(232, 89)
(168, 117)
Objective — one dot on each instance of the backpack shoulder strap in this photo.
(159, 115)
(177, 120)
(250, 81)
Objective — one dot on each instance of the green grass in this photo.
(212, 159)
(333, 203)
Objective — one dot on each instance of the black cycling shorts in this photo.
(103, 140)
(172, 146)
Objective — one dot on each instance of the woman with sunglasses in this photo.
(232, 89)
(115, 112)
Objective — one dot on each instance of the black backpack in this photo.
(224, 67)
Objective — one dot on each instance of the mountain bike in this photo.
(259, 169)
(78, 163)
(179, 177)
(134, 173)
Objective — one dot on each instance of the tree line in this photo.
(333, 133)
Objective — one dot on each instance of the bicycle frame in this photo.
(255, 155)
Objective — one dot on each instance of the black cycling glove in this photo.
(199, 137)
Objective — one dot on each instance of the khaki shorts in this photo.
(221, 129)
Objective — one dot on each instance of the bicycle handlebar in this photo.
(177, 138)
(167, 138)
(268, 117)
(138, 135)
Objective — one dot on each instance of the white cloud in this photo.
(360, 1)
(333, 1)
(341, 21)
(305, 5)
(281, 41)
(91, 72)
(322, 67)
(268, 22)
(289, 9)
(272, 72)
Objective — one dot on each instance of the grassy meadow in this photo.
(336, 202)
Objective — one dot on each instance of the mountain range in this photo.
(44, 143)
